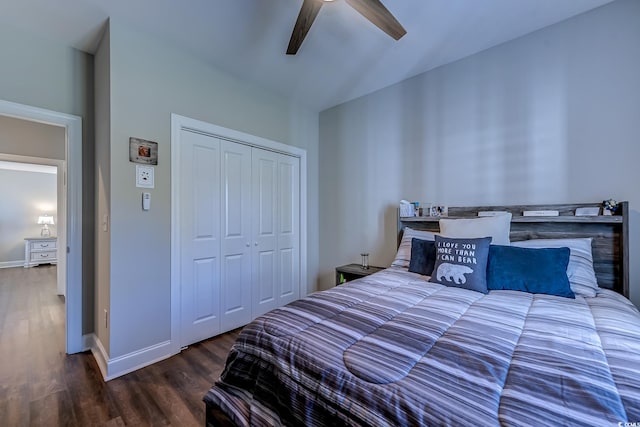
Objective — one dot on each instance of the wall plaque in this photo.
(143, 151)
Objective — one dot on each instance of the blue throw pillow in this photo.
(462, 263)
(423, 256)
(537, 271)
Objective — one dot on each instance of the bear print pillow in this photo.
(462, 263)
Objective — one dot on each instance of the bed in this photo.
(394, 348)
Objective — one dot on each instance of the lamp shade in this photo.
(45, 219)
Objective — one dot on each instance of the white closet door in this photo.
(276, 230)
(265, 231)
(200, 241)
(288, 229)
(236, 242)
(239, 219)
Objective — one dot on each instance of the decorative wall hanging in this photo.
(143, 151)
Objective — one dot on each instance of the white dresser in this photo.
(40, 250)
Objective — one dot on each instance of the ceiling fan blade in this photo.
(375, 12)
(307, 15)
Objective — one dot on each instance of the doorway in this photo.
(36, 192)
(70, 173)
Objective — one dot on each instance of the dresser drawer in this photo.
(43, 245)
(43, 256)
(38, 251)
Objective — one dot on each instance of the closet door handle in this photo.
(248, 244)
(255, 243)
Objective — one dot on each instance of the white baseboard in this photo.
(121, 365)
(100, 354)
(87, 341)
(11, 264)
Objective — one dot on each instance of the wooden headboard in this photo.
(610, 234)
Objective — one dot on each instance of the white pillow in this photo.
(404, 250)
(498, 227)
(582, 277)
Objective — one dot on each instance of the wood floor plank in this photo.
(42, 386)
(13, 407)
(53, 408)
(93, 403)
(116, 422)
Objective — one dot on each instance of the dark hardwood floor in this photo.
(42, 386)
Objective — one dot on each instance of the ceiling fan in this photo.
(373, 10)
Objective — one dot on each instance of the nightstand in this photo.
(40, 250)
(354, 271)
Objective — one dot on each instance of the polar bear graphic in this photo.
(453, 273)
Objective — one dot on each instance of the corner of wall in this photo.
(102, 179)
(92, 342)
(118, 366)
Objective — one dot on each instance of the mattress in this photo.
(393, 349)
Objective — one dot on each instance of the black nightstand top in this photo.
(355, 271)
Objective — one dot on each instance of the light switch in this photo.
(105, 222)
(146, 201)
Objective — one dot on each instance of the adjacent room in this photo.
(29, 212)
(29, 252)
(338, 203)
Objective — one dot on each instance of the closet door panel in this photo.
(288, 283)
(233, 274)
(265, 254)
(200, 238)
(236, 288)
(266, 268)
(289, 228)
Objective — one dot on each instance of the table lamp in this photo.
(45, 221)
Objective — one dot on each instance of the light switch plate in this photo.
(146, 201)
(144, 176)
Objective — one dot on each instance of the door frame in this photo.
(180, 123)
(73, 174)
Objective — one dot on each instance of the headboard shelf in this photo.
(602, 219)
(610, 234)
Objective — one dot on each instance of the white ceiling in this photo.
(343, 57)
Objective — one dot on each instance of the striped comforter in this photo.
(392, 349)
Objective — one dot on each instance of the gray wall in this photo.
(149, 81)
(25, 196)
(548, 118)
(25, 138)
(41, 73)
(102, 81)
